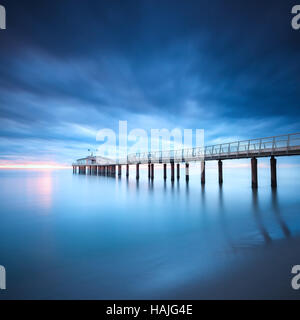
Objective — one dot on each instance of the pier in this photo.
(270, 147)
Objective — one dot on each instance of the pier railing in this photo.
(276, 145)
(281, 145)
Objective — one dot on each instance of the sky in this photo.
(71, 68)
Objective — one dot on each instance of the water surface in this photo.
(75, 236)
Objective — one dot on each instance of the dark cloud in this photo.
(230, 67)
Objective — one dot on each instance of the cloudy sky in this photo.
(70, 68)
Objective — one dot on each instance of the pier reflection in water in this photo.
(119, 238)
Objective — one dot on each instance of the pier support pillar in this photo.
(202, 172)
(273, 165)
(220, 169)
(149, 170)
(127, 170)
(137, 171)
(152, 171)
(119, 170)
(165, 171)
(254, 172)
(187, 171)
(178, 171)
(172, 171)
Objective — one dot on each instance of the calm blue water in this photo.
(75, 236)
